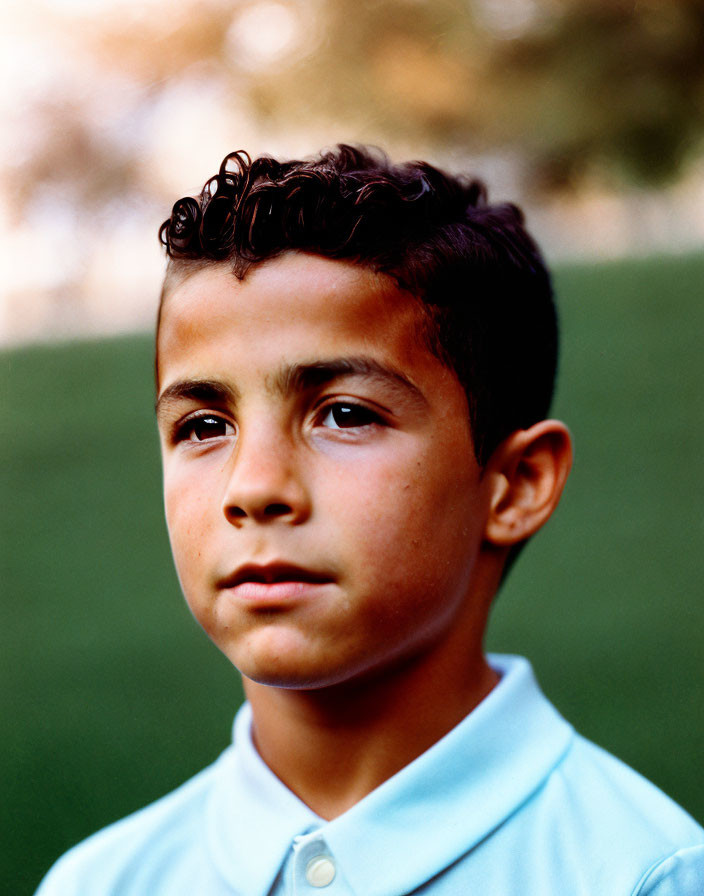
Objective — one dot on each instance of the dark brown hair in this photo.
(477, 273)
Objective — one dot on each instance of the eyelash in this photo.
(188, 428)
(358, 415)
(353, 416)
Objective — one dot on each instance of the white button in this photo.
(320, 871)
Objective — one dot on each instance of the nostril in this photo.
(236, 513)
(277, 510)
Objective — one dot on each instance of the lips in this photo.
(273, 584)
(272, 574)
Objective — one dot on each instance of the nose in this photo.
(265, 483)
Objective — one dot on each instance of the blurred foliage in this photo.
(616, 84)
(575, 85)
(576, 88)
(114, 108)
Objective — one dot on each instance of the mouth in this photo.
(273, 582)
(272, 574)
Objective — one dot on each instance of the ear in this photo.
(527, 473)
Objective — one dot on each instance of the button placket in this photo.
(315, 868)
(320, 871)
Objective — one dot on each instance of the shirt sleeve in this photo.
(681, 874)
(54, 884)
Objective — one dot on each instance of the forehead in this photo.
(297, 307)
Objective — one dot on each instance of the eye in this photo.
(347, 416)
(200, 429)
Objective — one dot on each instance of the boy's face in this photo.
(323, 501)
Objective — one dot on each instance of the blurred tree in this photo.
(571, 87)
(609, 84)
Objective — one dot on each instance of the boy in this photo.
(355, 362)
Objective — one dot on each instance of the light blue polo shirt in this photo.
(511, 802)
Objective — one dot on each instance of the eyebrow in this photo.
(303, 377)
(290, 379)
(207, 391)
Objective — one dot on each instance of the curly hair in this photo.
(485, 291)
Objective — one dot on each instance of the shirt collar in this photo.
(252, 816)
(430, 813)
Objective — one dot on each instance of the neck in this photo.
(333, 746)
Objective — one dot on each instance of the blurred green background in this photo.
(113, 694)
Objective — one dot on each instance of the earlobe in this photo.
(527, 473)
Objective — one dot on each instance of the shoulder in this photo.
(619, 819)
(123, 857)
(608, 788)
(589, 823)
(680, 874)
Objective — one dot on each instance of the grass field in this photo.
(111, 695)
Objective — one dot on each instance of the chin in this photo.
(290, 677)
(298, 673)
(279, 663)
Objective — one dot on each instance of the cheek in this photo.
(411, 522)
(188, 524)
(189, 535)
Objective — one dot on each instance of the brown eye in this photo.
(200, 429)
(347, 416)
